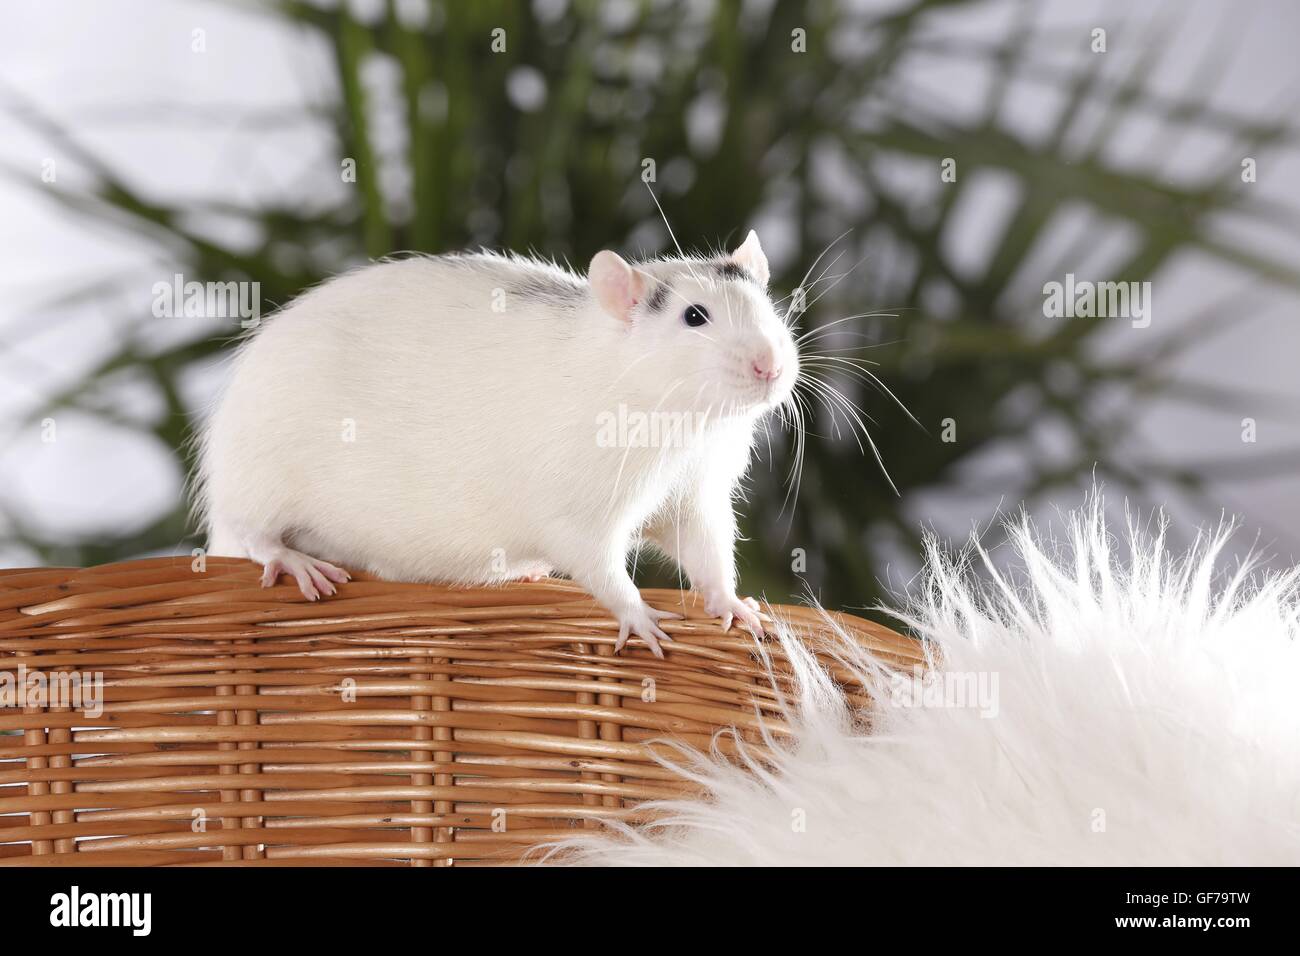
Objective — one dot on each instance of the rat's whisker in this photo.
(814, 335)
(823, 276)
(819, 259)
(667, 225)
(690, 268)
(805, 285)
(822, 329)
(855, 414)
(838, 279)
(794, 478)
(814, 391)
(863, 374)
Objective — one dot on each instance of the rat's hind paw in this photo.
(643, 621)
(533, 573)
(316, 578)
(732, 608)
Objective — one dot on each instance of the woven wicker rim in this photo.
(391, 724)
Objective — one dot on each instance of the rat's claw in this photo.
(533, 573)
(730, 608)
(644, 623)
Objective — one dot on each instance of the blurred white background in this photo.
(236, 124)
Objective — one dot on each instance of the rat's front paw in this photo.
(643, 621)
(729, 607)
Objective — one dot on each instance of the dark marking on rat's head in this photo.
(658, 297)
(543, 289)
(728, 269)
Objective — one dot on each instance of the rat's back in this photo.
(388, 418)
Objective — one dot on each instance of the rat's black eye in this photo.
(695, 315)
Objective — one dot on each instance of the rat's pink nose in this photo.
(766, 368)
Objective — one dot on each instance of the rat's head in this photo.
(703, 327)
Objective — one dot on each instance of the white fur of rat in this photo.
(440, 419)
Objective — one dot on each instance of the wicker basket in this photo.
(390, 725)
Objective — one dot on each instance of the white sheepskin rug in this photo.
(1105, 704)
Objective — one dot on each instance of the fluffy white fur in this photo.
(1148, 713)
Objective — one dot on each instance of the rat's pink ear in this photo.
(617, 286)
(750, 257)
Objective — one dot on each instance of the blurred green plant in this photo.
(492, 156)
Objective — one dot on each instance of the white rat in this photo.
(480, 418)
